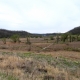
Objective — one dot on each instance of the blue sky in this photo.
(39, 16)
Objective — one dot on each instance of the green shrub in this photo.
(4, 76)
(15, 38)
(51, 38)
(64, 37)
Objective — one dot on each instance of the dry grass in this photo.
(27, 66)
(39, 43)
(58, 62)
(68, 54)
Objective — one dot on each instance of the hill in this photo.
(74, 31)
(8, 33)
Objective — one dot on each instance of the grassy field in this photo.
(34, 66)
(37, 44)
(41, 60)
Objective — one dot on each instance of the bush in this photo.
(78, 38)
(28, 41)
(15, 38)
(64, 37)
(51, 38)
(4, 40)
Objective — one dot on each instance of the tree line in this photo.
(8, 33)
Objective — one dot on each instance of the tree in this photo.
(64, 37)
(57, 38)
(29, 43)
(70, 38)
(77, 37)
(15, 38)
(51, 38)
(73, 38)
(28, 40)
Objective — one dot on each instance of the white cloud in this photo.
(8, 15)
(40, 15)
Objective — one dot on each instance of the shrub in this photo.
(4, 40)
(15, 38)
(51, 38)
(64, 37)
(28, 41)
(57, 39)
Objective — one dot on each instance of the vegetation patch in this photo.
(33, 66)
(4, 76)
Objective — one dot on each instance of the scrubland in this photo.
(20, 61)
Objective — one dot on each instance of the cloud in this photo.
(40, 16)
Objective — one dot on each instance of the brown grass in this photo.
(39, 43)
(32, 69)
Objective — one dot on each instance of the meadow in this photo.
(42, 59)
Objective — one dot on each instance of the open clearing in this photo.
(38, 66)
(20, 61)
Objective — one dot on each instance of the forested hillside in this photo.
(75, 31)
(8, 33)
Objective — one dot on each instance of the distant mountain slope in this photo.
(8, 33)
(74, 31)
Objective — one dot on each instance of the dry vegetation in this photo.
(37, 44)
(31, 66)
(57, 62)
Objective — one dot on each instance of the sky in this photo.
(40, 16)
